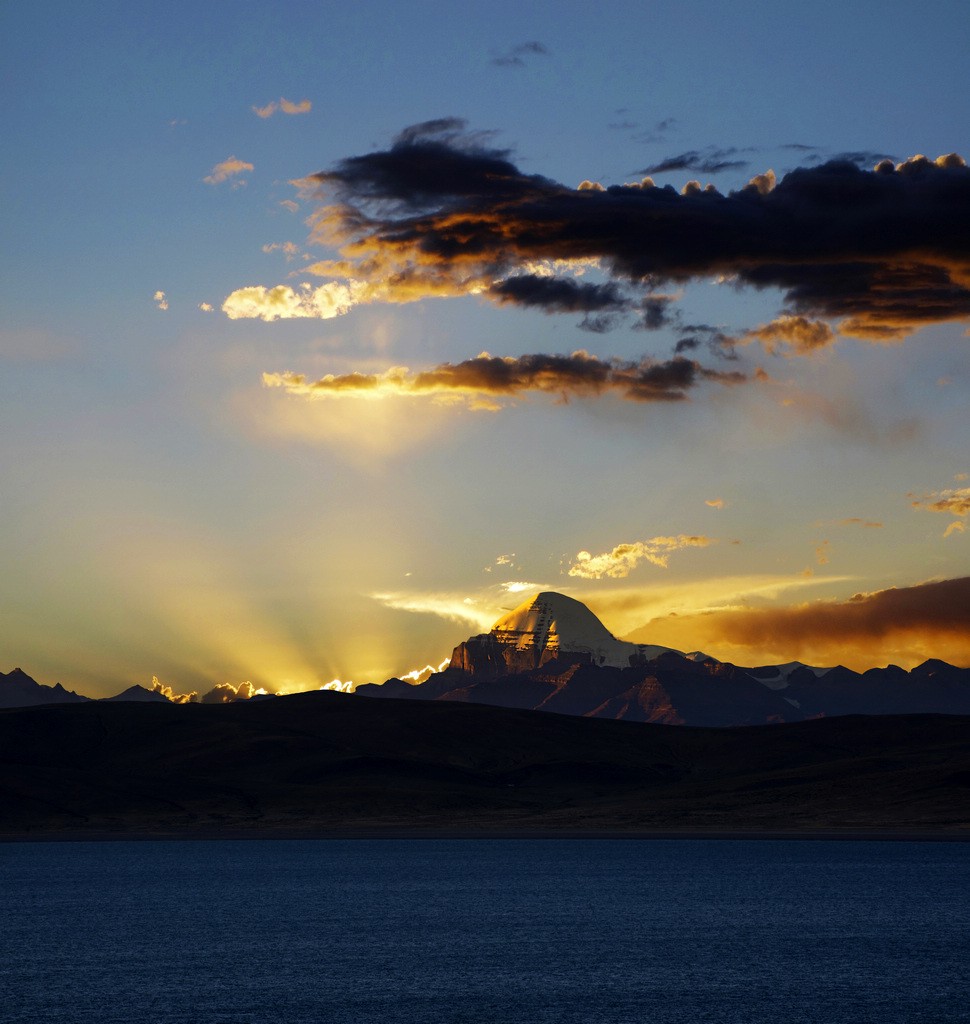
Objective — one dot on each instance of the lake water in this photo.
(484, 931)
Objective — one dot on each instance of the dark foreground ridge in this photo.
(328, 763)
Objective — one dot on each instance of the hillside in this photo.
(324, 762)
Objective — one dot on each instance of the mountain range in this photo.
(553, 654)
(18, 690)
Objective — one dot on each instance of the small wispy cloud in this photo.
(515, 58)
(227, 169)
(289, 249)
(625, 557)
(286, 106)
(955, 501)
(160, 300)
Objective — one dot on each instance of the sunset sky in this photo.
(330, 332)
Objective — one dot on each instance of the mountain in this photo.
(325, 763)
(139, 693)
(553, 654)
(538, 631)
(18, 690)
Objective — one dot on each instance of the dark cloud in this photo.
(559, 294)
(861, 157)
(693, 336)
(656, 312)
(711, 161)
(886, 251)
(514, 57)
(578, 375)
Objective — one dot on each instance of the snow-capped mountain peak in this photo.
(550, 624)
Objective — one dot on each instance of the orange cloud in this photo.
(717, 503)
(227, 169)
(904, 626)
(625, 557)
(303, 107)
(286, 106)
(486, 377)
(956, 502)
(794, 335)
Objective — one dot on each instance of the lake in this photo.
(499, 931)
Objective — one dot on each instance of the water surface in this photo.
(484, 931)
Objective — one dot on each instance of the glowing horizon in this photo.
(299, 393)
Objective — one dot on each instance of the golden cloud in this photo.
(625, 557)
(227, 169)
(798, 335)
(479, 611)
(285, 303)
(482, 379)
(226, 693)
(956, 502)
(170, 694)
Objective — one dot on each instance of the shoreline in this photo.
(379, 833)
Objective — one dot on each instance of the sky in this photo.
(331, 333)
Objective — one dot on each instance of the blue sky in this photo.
(165, 512)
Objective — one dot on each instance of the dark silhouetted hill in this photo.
(319, 763)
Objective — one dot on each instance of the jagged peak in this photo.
(551, 614)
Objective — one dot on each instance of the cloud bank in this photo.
(443, 212)
(904, 625)
(486, 377)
